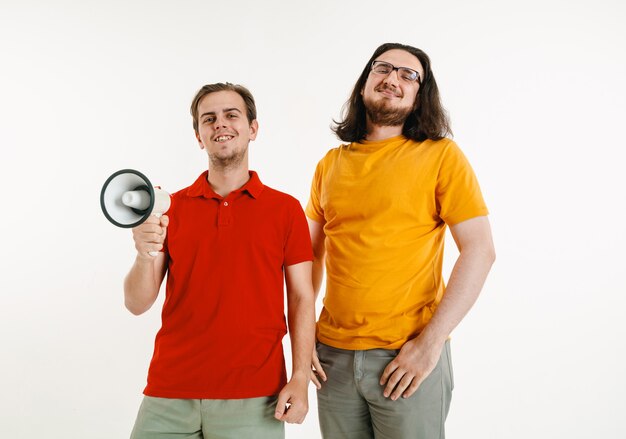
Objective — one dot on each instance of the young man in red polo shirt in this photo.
(227, 244)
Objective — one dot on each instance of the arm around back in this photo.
(318, 237)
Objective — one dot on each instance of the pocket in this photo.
(321, 347)
(329, 355)
(321, 352)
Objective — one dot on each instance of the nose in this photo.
(392, 78)
(220, 123)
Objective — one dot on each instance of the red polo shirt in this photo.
(223, 319)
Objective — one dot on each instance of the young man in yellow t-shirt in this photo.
(378, 212)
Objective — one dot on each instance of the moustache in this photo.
(385, 87)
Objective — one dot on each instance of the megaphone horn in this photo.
(128, 198)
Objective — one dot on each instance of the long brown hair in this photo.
(428, 120)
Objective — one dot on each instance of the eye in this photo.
(209, 119)
(408, 75)
(382, 68)
(231, 115)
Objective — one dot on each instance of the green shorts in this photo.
(165, 418)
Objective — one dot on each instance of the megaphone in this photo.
(128, 199)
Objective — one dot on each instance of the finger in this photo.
(315, 381)
(155, 237)
(402, 385)
(281, 406)
(295, 413)
(150, 239)
(155, 248)
(145, 228)
(147, 246)
(318, 368)
(148, 252)
(148, 228)
(140, 233)
(393, 380)
(286, 414)
(415, 384)
(389, 370)
(152, 219)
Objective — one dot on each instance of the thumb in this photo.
(281, 406)
(318, 367)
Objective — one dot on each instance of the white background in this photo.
(536, 91)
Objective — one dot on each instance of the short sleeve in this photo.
(298, 245)
(458, 193)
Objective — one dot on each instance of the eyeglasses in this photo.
(384, 68)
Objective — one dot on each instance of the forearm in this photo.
(141, 285)
(464, 286)
(419, 356)
(301, 317)
(292, 404)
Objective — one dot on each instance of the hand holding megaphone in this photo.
(128, 199)
(150, 236)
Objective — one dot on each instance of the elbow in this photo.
(136, 304)
(135, 308)
(485, 254)
(318, 261)
(137, 300)
(490, 255)
(319, 254)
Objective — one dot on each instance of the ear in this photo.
(254, 128)
(199, 140)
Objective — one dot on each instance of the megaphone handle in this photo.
(154, 254)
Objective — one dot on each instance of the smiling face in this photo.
(389, 98)
(224, 130)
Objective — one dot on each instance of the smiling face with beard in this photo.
(389, 99)
(383, 112)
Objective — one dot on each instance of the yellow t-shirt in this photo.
(384, 206)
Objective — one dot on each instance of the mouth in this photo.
(386, 91)
(223, 138)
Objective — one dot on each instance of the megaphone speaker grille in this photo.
(111, 198)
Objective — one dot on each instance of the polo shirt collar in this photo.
(202, 188)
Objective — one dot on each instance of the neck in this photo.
(224, 181)
(379, 132)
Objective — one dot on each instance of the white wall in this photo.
(537, 97)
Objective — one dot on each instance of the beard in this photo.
(228, 161)
(383, 114)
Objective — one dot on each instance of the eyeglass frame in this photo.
(419, 77)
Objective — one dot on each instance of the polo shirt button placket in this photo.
(224, 214)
